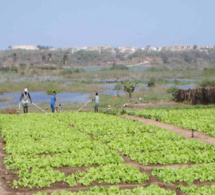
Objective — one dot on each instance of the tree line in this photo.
(167, 59)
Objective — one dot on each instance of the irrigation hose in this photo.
(33, 105)
(38, 107)
(84, 105)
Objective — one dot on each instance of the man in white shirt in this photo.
(25, 99)
(96, 99)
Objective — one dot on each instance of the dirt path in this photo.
(187, 133)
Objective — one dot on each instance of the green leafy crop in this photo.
(198, 119)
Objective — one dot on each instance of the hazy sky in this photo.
(69, 23)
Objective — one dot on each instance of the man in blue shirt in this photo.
(52, 103)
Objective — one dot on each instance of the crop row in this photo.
(110, 173)
(153, 189)
(194, 190)
(205, 172)
(143, 143)
(198, 119)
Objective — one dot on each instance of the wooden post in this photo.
(192, 132)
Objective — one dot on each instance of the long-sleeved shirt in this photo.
(53, 100)
(25, 96)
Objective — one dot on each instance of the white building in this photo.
(127, 49)
(26, 47)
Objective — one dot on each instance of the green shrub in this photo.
(14, 69)
(52, 91)
(118, 67)
(151, 83)
(22, 65)
(174, 91)
(207, 83)
(4, 69)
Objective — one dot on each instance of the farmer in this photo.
(52, 103)
(96, 99)
(24, 100)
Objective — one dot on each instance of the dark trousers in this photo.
(25, 109)
(96, 108)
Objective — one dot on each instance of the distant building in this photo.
(178, 48)
(106, 47)
(188, 47)
(205, 47)
(94, 48)
(25, 47)
(98, 48)
(127, 49)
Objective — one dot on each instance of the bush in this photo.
(174, 91)
(71, 71)
(47, 67)
(4, 69)
(22, 66)
(207, 83)
(151, 83)
(66, 72)
(118, 67)
(52, 91)
(78, 70)
(14, 69)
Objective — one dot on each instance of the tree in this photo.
(129, 87)
(22, 66)
(14, 56)
(148, 48)
(164, 58)
(151, 82)
(44, 58)
(174, 91)
(54, 91)
(64, 59)
(49, 57)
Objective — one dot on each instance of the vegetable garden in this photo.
(94, 153)
(198, 119)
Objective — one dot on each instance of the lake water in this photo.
(139, 68)
(39, 97)
(181, 80)
(130, 68)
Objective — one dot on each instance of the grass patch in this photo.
(49, 85)
(183, 107)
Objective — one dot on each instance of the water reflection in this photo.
(38, 97)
